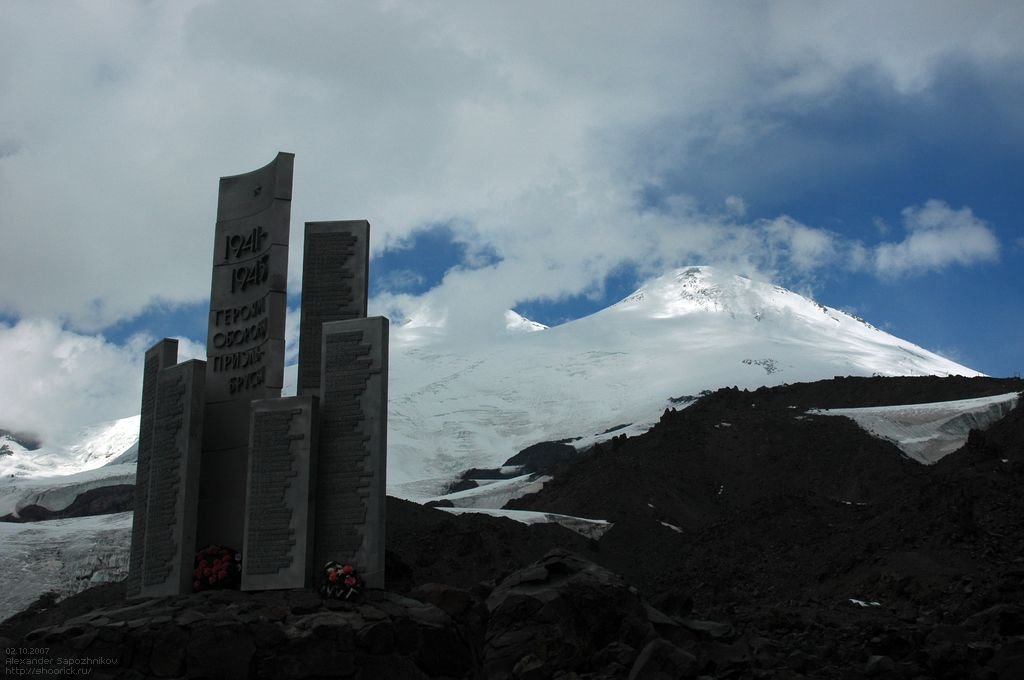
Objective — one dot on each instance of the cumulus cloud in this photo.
(938, 236)
(117, 120)
(736, 205)
(806, 248)
(401, 279)
(53, 381)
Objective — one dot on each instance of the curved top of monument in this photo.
(253, 192)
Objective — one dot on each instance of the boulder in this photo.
(559, 614)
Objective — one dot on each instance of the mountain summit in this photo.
(615, 371)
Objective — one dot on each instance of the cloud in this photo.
(53, 381)
(736, 205)
(401, 279)
(118, 120)
(938, 237)
(806, 248)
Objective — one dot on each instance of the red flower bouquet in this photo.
(217, 567)
(340, 581)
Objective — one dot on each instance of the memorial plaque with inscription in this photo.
(161, 355)
(352, 464)
(335, 270)
(245, 341)
(278, 550)
(174, 480)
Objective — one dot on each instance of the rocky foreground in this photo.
(751, 540)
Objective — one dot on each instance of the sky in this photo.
(542, 157)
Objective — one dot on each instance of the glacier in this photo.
(928, 432)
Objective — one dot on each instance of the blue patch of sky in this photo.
(970, 315)
(164, 321)
(618, 284)
(419, 262)
(868, 150)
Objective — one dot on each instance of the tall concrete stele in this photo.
(223, 460)
(166, 478)
(245, 337)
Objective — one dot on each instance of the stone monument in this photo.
(159, 356)
(335, 270)
(174, 468)
(245, 341)
(278, 548)
(223, 460)
(350, 497)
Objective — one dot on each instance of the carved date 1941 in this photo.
(237, 245)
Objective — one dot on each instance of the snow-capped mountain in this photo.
(517, 323)
(71, 452)
(453, 407)
(693, 329)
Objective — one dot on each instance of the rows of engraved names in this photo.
(164, 481)
(150, 371)
(328, 294)
(331, 253)
(272, 466)
(344, 472)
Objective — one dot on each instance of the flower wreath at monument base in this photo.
(340, 582)
(215, 568)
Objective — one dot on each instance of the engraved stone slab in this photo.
(278, 550)
(352, 465)
(249, 282)
(174, 480)
(245, 341)
(335, 271)
(161, 355)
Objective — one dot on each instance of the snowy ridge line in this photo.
(591, 528)
(72, 452)
(58, 492)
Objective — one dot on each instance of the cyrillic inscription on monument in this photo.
(160, 355)
(278, 521)
(245, 340)
(335, 270)
(165, 480)
(174, 478)
(269, 537)
(353, 446)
